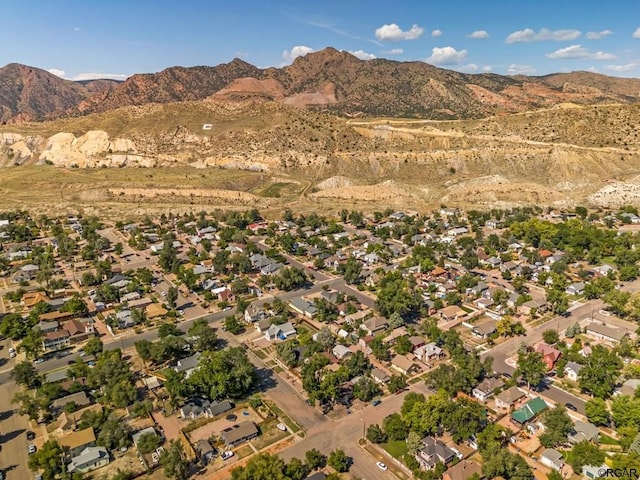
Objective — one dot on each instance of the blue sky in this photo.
(116, 38)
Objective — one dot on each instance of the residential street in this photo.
(13, 440)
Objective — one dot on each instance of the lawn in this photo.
(291, 425)
(607, 440)
(269, 435)
(244, 451)
(260, 354)
(396, 448)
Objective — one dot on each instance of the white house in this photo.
(552, 458)
(486, 388)
(282, 331)
(572, 370)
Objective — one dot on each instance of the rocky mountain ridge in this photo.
(328, 79)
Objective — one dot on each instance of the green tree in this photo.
(365, 389)
(233, 325)
(351, 271)
(225, 373)
(397, 383)
(174, 461)
(262, 466)
(148, 442)
(75, 305)
(395, 427)
(625, 411)
(296, 469)
(169, 329)
(530, 367)
(379, 349)
(287, 353)
(49, 459)
(339, 461)
(585, 453)
(26, 374)
(550, 337)
(290, 278)
(94, 346)
(114, 433)
(375, 434)
(600, 372)
(315, 459)
(597, 411)
(557, 425)
(202, 336)
(172, 297)
(506, 465)
(31, 344)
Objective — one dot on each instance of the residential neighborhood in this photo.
(455, 344)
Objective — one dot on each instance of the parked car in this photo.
(376, 402)
(30, 435)
(38, 360)
(31, 449)
(226, 455)
(571, 406)
(382, 466)
(281, 426)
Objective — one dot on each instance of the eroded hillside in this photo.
(559, 156)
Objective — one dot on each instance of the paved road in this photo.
(13, 440)
(344, 434)
(561, 397)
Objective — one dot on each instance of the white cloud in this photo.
(446, 56)
(578, 51)
(362, 55)
(57, 72)
(394, 51)
(636, 34)
(297, 51)
(487, 68)
(88, 75)
(96, 76)
(479, 34)
(622, 68)
(530, 35)
(393, 32)
(598, 35)
(515, 69)
(436, 33)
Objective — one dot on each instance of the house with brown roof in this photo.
(80, 399)
(404, 365)
(508, 398)
(452, 312)
(56, 340)
(79, 330)
(486, 388)
(375, 325)
(463, 470)
(549, 354)
(78, 441)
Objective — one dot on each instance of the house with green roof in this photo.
(528, 411)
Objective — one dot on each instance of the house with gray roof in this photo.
(432, 452)
(282, 331)
(243, 432)
(303, 307)
(188, 365)
(89, 459)
(582, 431)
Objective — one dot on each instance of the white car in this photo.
(281, 426)
(382, 466)
(32, 449)
(226, 455)
(39, 360)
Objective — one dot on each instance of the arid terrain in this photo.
(272, 156)
(312, 135)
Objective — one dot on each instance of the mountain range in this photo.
(329, 79)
